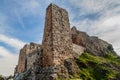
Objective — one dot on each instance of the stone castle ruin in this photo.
(47, 61)
(55, 58)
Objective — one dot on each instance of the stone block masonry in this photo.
(54, 58)
(57, 42)
(24, 61)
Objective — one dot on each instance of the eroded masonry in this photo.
(57, 42)
(54, 58)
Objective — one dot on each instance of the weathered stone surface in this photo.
(72, 67)
(92, 44)
(78, 49)
(55, 58)
(25, 59)
(49, 61)
(57, 42)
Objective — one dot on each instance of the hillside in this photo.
(99, 68)
(99, 60)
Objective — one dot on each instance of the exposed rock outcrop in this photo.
(92, 44)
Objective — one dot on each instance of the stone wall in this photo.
(92, 44)
(24, 52)
(21, 61)
(54, 59)
(57, 43)
(78, 49)
(32, 58)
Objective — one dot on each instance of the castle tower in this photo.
(54, 59)
(57, 43)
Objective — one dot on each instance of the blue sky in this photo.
(22, 21)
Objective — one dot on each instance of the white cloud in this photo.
(4, 52)
(13, 42)
(95, 6)
(8, 62)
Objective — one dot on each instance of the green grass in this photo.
(98, 68)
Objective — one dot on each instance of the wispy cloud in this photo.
(4, 28)
(4, 52)
(2, 22)
(95, 6)
(13, 42)
(29, 7)
(19, 18)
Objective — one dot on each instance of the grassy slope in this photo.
(99, 68)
